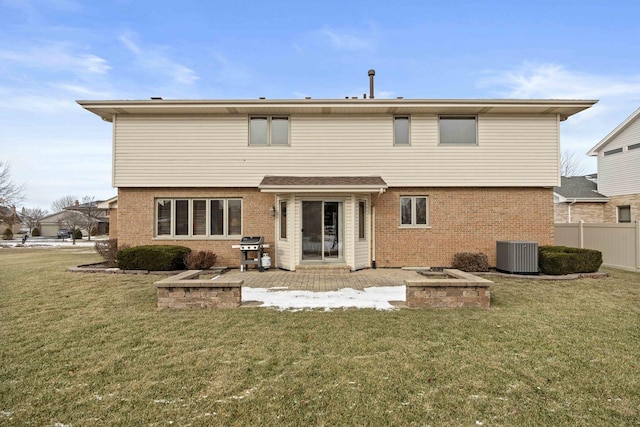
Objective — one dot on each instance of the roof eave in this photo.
(107, 109)
(322, 188)
(622, 126)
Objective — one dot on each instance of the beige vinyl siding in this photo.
(214, 152)
(620, 173)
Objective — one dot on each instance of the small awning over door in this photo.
(322, 184)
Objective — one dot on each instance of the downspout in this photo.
(569, 211)
(373, 228)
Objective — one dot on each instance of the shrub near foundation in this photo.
(556, 260)
(200, 260)
(470, 262)
(152, 258)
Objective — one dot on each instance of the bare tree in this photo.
(10, 218)
(32, 216)
(570, 164)
(10, 192)
(92, 214)
(63, 202)
(73, 220)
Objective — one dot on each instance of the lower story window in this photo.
(624, 213)
(414, 211)
(199, 217)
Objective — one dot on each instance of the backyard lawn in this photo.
(92, 349)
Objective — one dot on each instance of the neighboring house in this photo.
(577, 199)
(94, 210)
(50, 224)
(359, 182)
(111, 208)
(619, 170)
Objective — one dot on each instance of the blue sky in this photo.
(57, 51)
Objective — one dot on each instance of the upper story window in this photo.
(401, 130)
(220, 218)
(614, 151)
(633, 146)
(268, 130)
(414, 211)
(458, 130)
(624, 213)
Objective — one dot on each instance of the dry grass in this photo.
(91, 349)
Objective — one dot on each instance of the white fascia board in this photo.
(622, 126)
(321, 189)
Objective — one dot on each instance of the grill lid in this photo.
(252, 240)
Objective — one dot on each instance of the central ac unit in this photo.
(514, 256)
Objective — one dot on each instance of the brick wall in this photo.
(461, 220)
(136, 219)
(113, 223)
(186, 296)
(587, 212)
(429, 296)
(610, 209)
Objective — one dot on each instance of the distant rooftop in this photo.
(580, 187)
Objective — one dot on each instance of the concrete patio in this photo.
(322, 280)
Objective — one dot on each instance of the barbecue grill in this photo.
(251, 244)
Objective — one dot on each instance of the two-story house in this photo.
(359, 182)
(618, 156)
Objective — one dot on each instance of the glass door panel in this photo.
(332, 230)
(311, 231)
(322, 234)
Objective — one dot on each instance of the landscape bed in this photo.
(92, 349)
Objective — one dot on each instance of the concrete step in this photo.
(324, 268)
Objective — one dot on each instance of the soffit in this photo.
(108, 109)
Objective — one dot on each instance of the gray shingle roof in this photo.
(578, 187)
(323, 180)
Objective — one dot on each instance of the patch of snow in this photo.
(376, 297)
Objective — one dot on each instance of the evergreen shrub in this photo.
(556, 260)
(152, 258)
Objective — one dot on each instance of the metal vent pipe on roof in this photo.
(372, 73)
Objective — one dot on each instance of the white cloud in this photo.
(56, 56)
(618, 97)
(348, 40)
(129, 44)
(554, 81)
(81, 90)
(155, 58)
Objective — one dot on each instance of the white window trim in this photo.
(413, 212)
(408, 116)
(191, 236)
(269, 119)
(457, 144)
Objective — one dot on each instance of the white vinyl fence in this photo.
(619, 243)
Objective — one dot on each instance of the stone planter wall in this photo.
(182, 291)
(454, 289)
